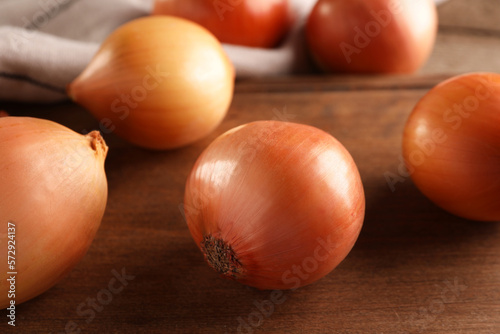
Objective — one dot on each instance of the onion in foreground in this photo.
(53, 194)
(274, 205)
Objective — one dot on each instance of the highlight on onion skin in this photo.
(451, 145)
(372, 36)
(253, 23)
(53, 188)
(274, 205)
(158, 82)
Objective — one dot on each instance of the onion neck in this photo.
(97, 143)
(221, 257)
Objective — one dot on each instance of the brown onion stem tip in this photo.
(221, 257)
(97, 143)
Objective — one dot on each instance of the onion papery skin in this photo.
(372, 36)
(159, 82)
(253, 23)
(53, 188)
(451, 145)
(271, 196)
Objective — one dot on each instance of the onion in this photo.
(159, 82)
(372, 36)
(274, 205)
(451, 145)
(254, 23)
(53, 189)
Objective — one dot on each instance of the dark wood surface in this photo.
(414, 269)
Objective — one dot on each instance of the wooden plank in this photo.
(458, 52)
(414, 269)
(475, 16)
(468, 38)
(327, 83)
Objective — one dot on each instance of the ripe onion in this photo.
(372, 36)
(159, 82)
(53, 189)
(274, 205)
(255, 23)
(451, 145)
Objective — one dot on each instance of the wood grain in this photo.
(414, 269)
(477, 15)
(468, 38)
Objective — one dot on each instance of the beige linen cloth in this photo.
(45, 44)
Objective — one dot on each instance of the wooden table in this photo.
(414, 269)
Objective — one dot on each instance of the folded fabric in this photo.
(45, 44)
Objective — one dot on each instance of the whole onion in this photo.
(254, 23)
(372, 36)
(274, 205)
(53, 189)
(158, 82)
(451, 145)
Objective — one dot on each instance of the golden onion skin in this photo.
(53, 188)
(451, 146)
(274, 205)
(372, 36)
(159, 82)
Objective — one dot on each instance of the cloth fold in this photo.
(45, 44)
